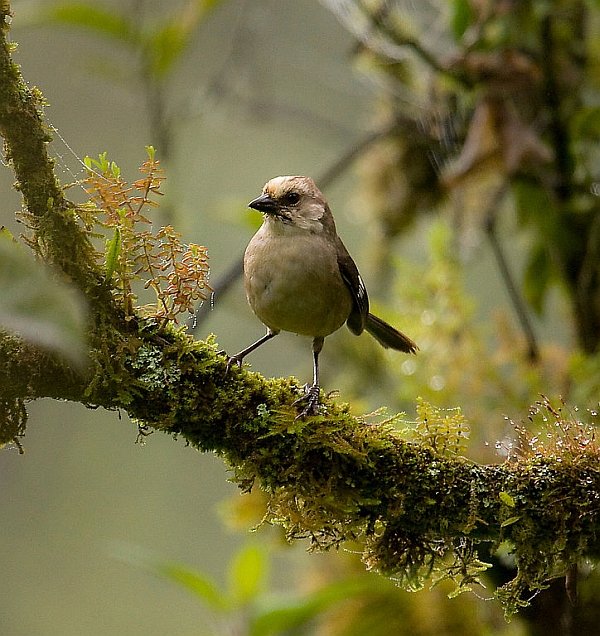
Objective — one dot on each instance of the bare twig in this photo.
(518, 304)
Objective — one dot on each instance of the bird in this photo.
(300, 278)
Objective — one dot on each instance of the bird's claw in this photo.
(311, 401)
(233, 360)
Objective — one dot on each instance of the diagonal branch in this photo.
(517, 301)
(57, 238)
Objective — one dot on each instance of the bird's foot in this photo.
(233, 360)
(309, 401)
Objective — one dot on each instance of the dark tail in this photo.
(389, 337)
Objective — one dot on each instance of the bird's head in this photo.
(294, 202)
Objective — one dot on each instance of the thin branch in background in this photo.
(340, 165)
(380, 22)
(517, 301)
(591, 257)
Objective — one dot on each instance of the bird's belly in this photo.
(292, 285)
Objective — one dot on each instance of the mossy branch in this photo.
(336, 478)
(332, 478)
(26, 138)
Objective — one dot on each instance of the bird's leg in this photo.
(311, 398)
(239, 357)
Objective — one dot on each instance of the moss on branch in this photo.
(49, 214)
(333, 478)
(336, 478)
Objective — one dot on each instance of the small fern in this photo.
(175, 271)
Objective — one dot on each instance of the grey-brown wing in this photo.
(360, 301)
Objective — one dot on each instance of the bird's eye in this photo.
(291, 198)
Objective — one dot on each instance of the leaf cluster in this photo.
(177, 273)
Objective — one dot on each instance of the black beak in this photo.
(264, 203)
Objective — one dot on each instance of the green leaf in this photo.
(165, 45)
(462, 16)
(509, 521)
(37, 306)
(535, 208)
(199, 584)
(297, 613)
(505, 498)
(100, 165)
(113, 250)
(586, 123)
(103, 22)
(247, 574)
(165, 48)
(195, 582)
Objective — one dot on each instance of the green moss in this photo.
(13, 421)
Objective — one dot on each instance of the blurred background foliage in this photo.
(457, 144)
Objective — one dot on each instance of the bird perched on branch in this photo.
(299, 276)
